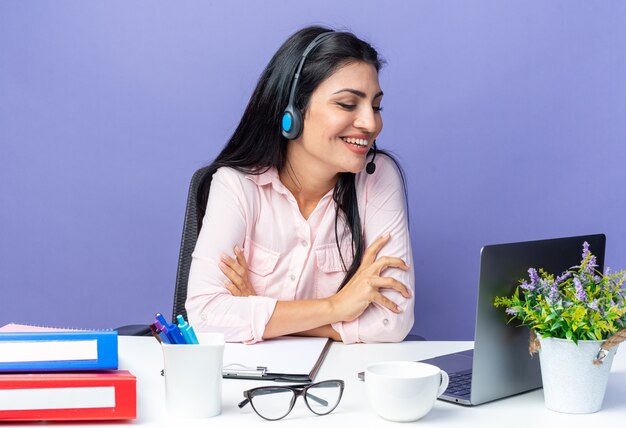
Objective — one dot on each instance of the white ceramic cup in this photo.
(193, 377)
(404, 391)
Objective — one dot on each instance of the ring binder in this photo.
(28, 348)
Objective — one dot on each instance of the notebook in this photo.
(500, 364)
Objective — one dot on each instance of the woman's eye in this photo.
(347, 106)
(350, 107)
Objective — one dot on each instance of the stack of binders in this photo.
(51, 374)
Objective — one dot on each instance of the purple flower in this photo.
(511, 311)
(526, 286)
(607, 271)
(592, 263)
(560, 279)
(594, 305)
(585, 249)
(534, 278)
(580, 291)
(553, 294)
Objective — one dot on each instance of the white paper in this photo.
(284, 355)
(57, 350)
(57, 398)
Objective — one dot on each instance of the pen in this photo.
(158, 334)
(163, 330)
(187, 330)
(171, 330)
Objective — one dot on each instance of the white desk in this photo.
(142, 356)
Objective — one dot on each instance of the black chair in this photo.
(187, 245)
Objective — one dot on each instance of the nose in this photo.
(366, 119)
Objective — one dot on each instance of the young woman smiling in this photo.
(297, 238)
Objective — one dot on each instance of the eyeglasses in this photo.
(275, 402)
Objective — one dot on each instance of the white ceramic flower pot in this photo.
(571, 382)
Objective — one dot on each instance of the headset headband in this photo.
(291, 123)
(316, 41)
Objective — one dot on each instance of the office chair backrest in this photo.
(187, 244)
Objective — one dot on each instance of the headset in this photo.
(292, 123)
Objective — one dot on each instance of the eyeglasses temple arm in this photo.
(274, 391)
(317, 399)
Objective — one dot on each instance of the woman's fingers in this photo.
(365, 289)
(387, 303)
(234, 290)
(386, 262)
(236, 271)
(240, 258)
(234, 265)
(369, 256)
(390, 283)
(230, 273)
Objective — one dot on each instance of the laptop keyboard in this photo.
(460, 384)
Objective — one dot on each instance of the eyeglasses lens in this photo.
(272, 403)
(322, 398)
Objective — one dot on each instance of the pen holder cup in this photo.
(193, 377)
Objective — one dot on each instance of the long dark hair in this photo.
(257, 143)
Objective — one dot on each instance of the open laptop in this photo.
(500, 364)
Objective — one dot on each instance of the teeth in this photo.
(356, 141)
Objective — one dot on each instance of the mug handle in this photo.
(445, 379)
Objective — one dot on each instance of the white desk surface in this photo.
(142, 356)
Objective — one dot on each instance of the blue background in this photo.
(508, 116)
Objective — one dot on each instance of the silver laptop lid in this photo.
(502, 365)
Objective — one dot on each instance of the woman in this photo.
(296, 236)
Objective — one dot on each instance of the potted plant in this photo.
(576, 320)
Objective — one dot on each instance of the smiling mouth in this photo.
(359, 142)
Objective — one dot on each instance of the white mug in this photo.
(193, 377)
(404, 391)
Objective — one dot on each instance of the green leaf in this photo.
(597, 332)
(556, 325)
(552, 316)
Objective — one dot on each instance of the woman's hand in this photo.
(236, 270)
(365, 286)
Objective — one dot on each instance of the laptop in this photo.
(500, 365)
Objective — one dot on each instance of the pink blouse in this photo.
(292, 258)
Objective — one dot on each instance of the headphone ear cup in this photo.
(291, 123)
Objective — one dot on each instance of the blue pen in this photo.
(172, 331)
(176, 334)
(187, 330)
